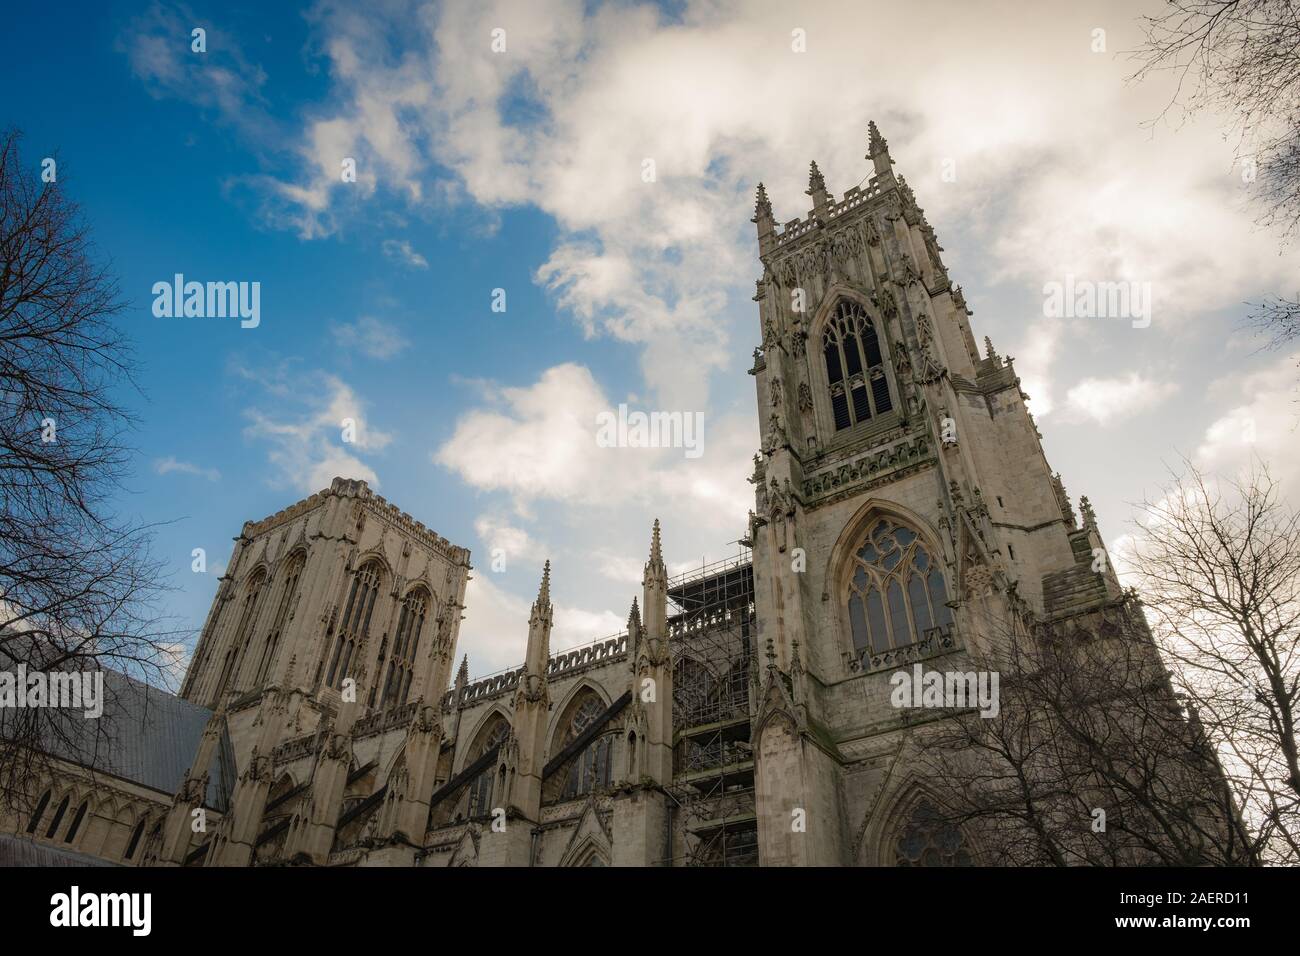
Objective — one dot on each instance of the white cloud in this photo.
(1057, 175)
(539, 443)
(496, 532)
(1123, 559)
(373, 337)
(157, 45)
(495, 630)
(1106, 400)
(1265, 424)
(655, 263)
(165, 466)
(174, 660)
(401, 251)
(306, 447)
(618, 567)
(1034, 362)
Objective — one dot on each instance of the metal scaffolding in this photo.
(711, 631)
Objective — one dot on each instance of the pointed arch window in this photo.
(410, 623)
(135, 841)
(480, 788)
(76, 822)
(897, 594)
(592, 769)
(234, 654)
(855, 367)
(39, 812)
(58, 818)
(288, 595)
(355, 622)
(927, 839)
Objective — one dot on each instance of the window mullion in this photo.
(847, 381)
(866, 371)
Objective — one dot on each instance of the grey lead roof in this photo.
(147, 736)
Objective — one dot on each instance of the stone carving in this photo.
(873, 234)
(883, 299)
(781, 506)
(776, 436)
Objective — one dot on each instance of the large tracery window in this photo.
(355, 622)
(591, 769)
(896, 592)
(480, 788)
(397, 682)
(855, 367)
(929, 840)
(293, 572)
(235, 653)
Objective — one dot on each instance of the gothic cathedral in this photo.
(904, 513)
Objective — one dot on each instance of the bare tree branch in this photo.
(77, 585)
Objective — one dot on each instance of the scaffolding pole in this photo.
(711, 633)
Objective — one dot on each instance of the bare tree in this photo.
(1090, 761)
(76, 581)
(1219, 566)
(1242, 58)
(1278, 319)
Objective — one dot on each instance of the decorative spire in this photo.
(656, 548)
(654, 594)
(875, 142)
(544, 591)
(816, 181)
(539, 637)
(633, 633)
(762, 207)
(988, 350)
(878, 149)
(462, 673)
(764, 221)
(1089, 516)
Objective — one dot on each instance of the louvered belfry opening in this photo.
(855, 367)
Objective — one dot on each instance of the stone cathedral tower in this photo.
(336, 614)
(905, 510)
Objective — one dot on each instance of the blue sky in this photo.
(520, 170)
